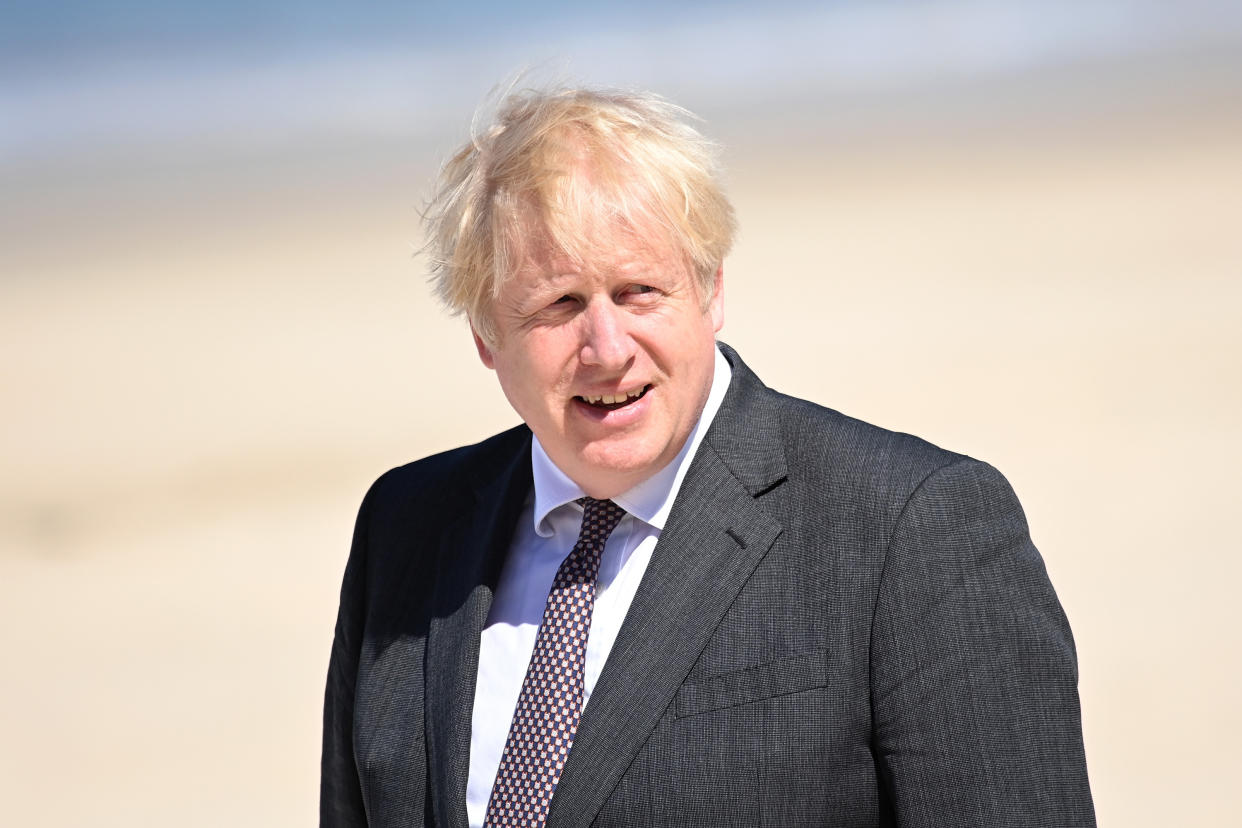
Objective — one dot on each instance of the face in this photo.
(610, 365)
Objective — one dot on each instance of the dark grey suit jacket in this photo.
(840, 626)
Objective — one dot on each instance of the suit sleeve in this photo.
(340, 793)
(973, 670)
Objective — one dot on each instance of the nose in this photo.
(606, 341)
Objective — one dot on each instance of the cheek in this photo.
(533, 382)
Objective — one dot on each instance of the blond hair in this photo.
(567, 170)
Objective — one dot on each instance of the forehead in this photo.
(603, 259)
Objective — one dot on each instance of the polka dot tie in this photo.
(550, 703)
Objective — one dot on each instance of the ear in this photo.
(485, 353)
(716, 305)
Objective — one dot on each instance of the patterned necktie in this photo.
(550, 703)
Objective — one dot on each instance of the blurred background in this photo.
(1012, 228)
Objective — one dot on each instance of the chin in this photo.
(619, 463)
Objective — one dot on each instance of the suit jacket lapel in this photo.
(471, 556)
(715, 537)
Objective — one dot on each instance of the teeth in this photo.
(611, 399)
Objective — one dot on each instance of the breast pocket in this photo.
(791, 674)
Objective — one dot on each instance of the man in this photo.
(674, 596)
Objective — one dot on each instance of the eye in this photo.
(564, 303)
(641, 291)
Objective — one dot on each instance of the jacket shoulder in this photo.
(834, 455)
(861, 456)
(445, 478)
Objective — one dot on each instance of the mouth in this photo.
(612, 402)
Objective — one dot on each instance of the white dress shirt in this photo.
(547, 531)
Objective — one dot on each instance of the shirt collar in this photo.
(650, 500)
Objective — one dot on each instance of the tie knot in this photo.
(599, 517)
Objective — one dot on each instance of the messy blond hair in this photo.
(567, 170)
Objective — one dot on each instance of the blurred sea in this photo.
(79, 77)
